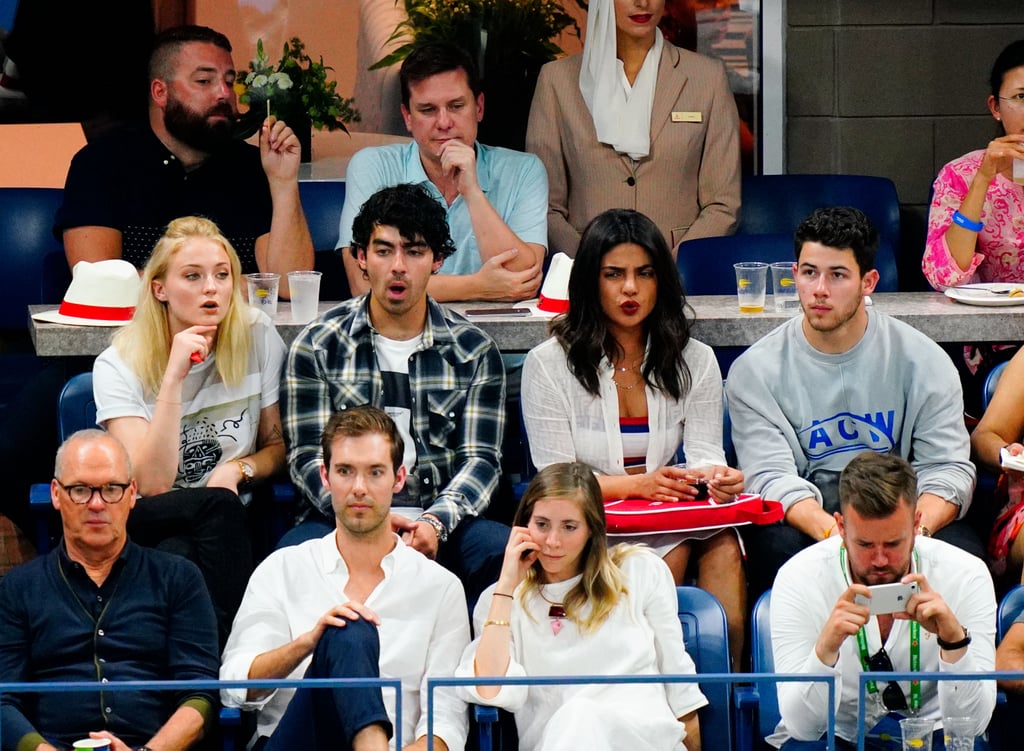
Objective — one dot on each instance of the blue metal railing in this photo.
(921, 676)
(218, 685)
(570, 680)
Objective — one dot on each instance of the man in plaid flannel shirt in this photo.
(440, 378)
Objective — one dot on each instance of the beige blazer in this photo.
(689, 184)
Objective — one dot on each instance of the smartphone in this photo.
(702, 490)
(888, 598)
(498, 312)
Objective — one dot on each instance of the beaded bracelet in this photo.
(962, 221)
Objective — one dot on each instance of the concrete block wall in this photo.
(894, 88)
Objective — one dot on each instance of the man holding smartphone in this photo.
(818, 627)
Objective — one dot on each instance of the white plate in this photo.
(980, 294)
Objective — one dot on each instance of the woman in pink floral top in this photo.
(976, 221)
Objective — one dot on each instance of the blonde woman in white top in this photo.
(567, 604)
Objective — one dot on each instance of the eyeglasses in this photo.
(111, 492)
(1017, 100)
(892, 697)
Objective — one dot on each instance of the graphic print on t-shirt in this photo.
(209, 437)
(393, 357)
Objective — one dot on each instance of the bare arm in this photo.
(692, 725)
(282, 661)
(267, 462)
(1003, 421)
(494, 281)
(91, 244)
(998, 159)
(288, 246)
(492, 651)
(182, 730)
(153, 445)
(1010, 656)
(810, 518)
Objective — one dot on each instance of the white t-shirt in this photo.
(218, 423)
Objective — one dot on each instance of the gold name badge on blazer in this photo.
(687, 117)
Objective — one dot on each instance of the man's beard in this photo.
(195, 130)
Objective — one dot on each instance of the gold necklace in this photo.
(626, 369)
(631, 386)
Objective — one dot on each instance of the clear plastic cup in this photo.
(263, 291)
(304, 287)
(784, 292)
(750, 285)
(917, 733)
(958, 733)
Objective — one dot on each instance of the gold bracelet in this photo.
(828, 532)
(167, 401)
(490, 622)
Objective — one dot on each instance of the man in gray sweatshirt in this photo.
(840, 379)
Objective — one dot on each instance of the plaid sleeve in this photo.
(305, 410)
(478, 436)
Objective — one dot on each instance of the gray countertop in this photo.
(718, 323)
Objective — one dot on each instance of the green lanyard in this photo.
(915, 644)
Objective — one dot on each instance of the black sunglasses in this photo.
(892, 696)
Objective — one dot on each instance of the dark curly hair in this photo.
(583, 331)
(409, 209)
(842, 227)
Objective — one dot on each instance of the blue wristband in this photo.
(962, 221)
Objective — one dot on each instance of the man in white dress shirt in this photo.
(819, 628)
(355, 603)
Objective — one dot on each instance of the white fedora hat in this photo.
(103, 293)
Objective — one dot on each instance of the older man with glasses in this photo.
(101, 608)
(828, 617)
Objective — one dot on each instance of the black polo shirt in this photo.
(129, 181)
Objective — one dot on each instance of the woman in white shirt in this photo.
(566, 604)
(190, 387)
(621, 386)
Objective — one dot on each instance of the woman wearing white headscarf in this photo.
(635, 122)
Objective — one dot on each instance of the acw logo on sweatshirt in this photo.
(849, 432)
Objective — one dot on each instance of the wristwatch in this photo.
(442, 533)
(247, 472)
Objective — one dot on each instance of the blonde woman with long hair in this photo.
(567, 604)
(190, 387)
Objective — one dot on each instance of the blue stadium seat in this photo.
(758, 705)
(322, 201)
(772, 207)
(76, 410)
(991, 381)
